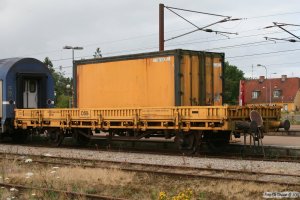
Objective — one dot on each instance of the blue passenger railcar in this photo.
(24, 83)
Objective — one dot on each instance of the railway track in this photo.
(292, 133)
(167, 170)
(169, 148)
(232, 151)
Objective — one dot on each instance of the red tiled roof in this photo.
(288, 89)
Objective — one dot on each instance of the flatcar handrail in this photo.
(145, 118)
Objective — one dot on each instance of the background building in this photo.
(282, 91)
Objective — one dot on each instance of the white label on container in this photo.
(162, 59)
(217, 64)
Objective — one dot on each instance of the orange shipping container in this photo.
(169, 78)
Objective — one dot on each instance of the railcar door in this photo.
(30, 93)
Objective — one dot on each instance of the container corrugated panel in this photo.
(156, 79)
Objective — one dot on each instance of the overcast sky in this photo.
(40, 28)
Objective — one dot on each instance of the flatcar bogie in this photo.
(19, 136)
(55, 136)
(81, 136)
(217, 141)
(188, 143)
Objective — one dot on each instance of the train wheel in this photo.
(217, 142)
(19, 136)
(55, 136)
(81, 136)
(188, 142)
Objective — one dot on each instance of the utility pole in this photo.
(161, 27)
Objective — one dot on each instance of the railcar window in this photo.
(32, 86)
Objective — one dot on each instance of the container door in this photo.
(30, 93)
(218, 80)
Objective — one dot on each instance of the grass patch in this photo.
(117, 183)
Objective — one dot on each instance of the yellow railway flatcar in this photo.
(169, 94)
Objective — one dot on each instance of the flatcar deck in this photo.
(219, 118)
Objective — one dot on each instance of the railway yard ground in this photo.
(282, 141)
(133, 170)
(28, 172)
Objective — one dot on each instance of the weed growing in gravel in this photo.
(244, 168)
(184, 195)
(209, 165)
(4, 193)
(162, 196)
(184, 160)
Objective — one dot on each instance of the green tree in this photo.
(98, 53)
(232, 82)
(62, 93)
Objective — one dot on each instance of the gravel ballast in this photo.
(215, 163)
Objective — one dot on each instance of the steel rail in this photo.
(213, 177)
(94, 165)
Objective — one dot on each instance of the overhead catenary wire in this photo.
(272, 15)
(148, 48)
(240, 56)
(289, 32)
(257, 58)
(170, 45)
(222, 39)
(188, 21)
(199, 12)
(281, 25)
(154, 34)
(266, 54)
(154, 47)
(208, 39)
(283, 39)
(237, 37)
(287, 63)
(195, 30)
(249, 44)
(263, 53)
(203, 28)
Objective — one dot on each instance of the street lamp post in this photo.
(271, 86)
(73, 71)
(259, 65)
